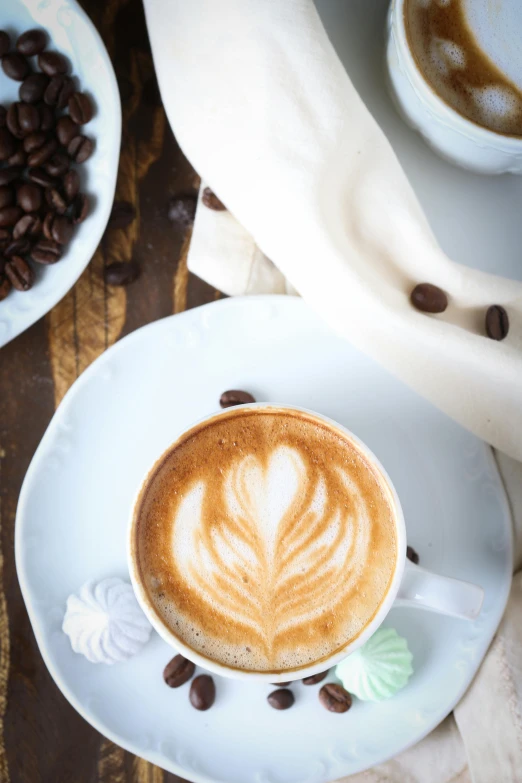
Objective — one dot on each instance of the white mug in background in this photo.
(448, 132)
(410, 586)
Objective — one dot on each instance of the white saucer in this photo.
(125, 410)
(72, 33)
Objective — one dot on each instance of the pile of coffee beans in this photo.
(429, 298)
(40, 199)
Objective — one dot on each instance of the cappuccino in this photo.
(455, 45)
(265, 539)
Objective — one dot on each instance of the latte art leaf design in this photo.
(274, 544)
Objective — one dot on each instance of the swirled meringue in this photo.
(104, 621)
(378, 669)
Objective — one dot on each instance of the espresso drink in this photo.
(450, 58)
(265, 539)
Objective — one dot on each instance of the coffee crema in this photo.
(452, 62)
(265, 539)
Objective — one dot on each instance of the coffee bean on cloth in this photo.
(211, 201)
(121, 272)
(497, 322)
(429, 298)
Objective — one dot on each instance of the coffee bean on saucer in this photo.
(121, 272)
(80, 108)
(7, 144)
(429, 298)
(315, 678)
(7, 196)
(66, 130)
(80, 149)
(28, 225)
(52, 63)
(57, 227)
(18, 247)
(281, 684)
(335, 698)
(34, 141)
(47, 118)
(29, 197)
(41, 177)
(71, 184)
(57, 165)
(56, 201)
(497, 322)
(9, 216)
(211, 201)
(80, 208)
(235, 397)
(59, 90)
(412, 555)
(282, 699)
(42, 154)
(122, 214)
(178, 671)
(5, 43)
(33, 87)
(22, 119)
(32, 42)
(15, 66)
(19, 273)
(202, 692)
(181, 210)
(46, 251)
(5, 286)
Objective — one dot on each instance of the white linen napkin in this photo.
(265, 112)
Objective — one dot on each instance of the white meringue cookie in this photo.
(104, 621)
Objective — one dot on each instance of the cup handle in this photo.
(441, 594)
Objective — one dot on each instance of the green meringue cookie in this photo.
(378, 669)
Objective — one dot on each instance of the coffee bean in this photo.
(33, 87)
(66, 130)
(43, 153)
(52, 63)
(315, 678)
(7, 196)
(211, 201)
(19, 273)
(30, 225)
(32, 42)
(22, 119)
(46, 251)
(5, 286)
(80, 208)
(122, 214)
(121, 272)
(429, 298)
(281, 684)
(15, 66)
(41, 177)
(71, 184)
(9, 174)
(18, 247)
(29, 197)
(57, 165)
(47, 118)
(7, 144)
(9, 216)
(34, 141)
(80, 108)
(235, 397)
(5, 237)
(18, 158)
(412, 555)
(5, 43)
(56, 201)
(335, 698)
(182, 210)
(178, 671)
(497, 322)
(282, 699)
(202, 692)
(57, 227)
(80, 148)
(58, 91)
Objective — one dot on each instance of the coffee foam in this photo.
(265, 539)
(448, 55)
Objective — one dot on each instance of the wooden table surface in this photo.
(42, 738)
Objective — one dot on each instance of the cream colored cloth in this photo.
(264, 110)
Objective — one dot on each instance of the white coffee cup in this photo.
(410, 586)
(449, 133)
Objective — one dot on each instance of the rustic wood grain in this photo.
(42, 738)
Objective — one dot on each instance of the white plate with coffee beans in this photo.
(74, 511)
(60, 129)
